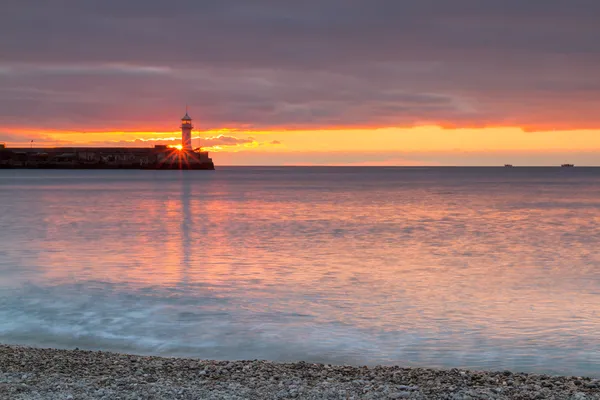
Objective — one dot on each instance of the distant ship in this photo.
(567, 165)
(508, 165)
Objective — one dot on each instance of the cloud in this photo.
(21, 139)
(222, 140)
(9, 137)
(211, 143)
(268, 64)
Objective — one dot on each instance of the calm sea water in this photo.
(441, 267)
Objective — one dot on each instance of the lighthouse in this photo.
(186, 132)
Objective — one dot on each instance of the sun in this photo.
(177, 146)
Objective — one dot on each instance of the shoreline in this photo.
(37, 373)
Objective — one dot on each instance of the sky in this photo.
(311, 82)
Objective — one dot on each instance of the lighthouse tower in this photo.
(186, 132)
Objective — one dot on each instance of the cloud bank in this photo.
(214, 143)
(268, 64)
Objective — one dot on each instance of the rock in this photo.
(592, 385)
(407, 388)
(579, 396)
(399, 395)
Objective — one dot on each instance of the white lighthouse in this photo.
(186, 132)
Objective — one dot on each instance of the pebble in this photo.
(399, 395)
(34, 374)
(408, 388)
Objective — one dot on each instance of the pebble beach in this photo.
(50, 374)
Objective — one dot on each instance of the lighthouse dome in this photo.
(186, 117)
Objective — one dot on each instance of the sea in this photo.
(478, 268)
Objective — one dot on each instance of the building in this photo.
(157, 157)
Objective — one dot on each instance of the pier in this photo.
(158, 157)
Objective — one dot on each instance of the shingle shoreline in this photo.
(31, 373)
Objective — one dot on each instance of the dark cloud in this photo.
(114, 64)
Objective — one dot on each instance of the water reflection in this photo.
(186, 224)
(482, 270)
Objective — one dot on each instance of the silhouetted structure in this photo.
(158, 157)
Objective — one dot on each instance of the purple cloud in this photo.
(268, 64)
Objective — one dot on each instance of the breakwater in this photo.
(157, 157)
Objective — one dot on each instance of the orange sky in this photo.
(426, 138)
(310, 82)
(353, 143)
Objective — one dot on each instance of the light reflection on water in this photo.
(479, 268)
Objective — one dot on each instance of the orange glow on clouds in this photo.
(423, 139)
